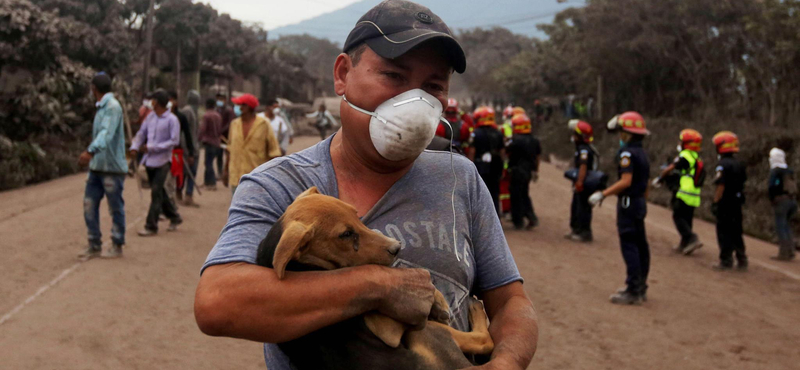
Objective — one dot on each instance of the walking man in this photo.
(192, 118)
(580, 220)
(185, 152)
(524, 153)
(107, 168)
(323, 120)
(631, 188)
(159, 134)
(783, 193)
(228, 115)
(210, 134)
(687, 199)
(728, 200)
(280, 127)
(251, 142)
(487, 152)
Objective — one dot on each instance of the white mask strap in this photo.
(455, 182)
(373, 114)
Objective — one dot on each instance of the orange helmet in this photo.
(484, 116)
(452, 106)
(518, 110)
(521, 124)
(691, 140)
(632, 122)
(726, 142)
(582, 129)
(508, 112)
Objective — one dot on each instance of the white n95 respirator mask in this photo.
(403, 126)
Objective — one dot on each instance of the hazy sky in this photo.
(276, 13)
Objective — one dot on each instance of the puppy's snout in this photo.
(394, 249)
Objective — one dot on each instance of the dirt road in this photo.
(136, 313)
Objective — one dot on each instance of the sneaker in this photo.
(782, 258)
(114, 252)
(581, 238)
(173, 225)
(691, 247)
(90, 252)
(147, 232)
(719, 266)
(742, 267)
(677, 248)
(625, 289)
(532, 224)
(179, 196)
(189, 202)
(626, 298)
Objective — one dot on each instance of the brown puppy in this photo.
(319, 232)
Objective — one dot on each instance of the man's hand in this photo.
(291, 140)
(579, 187)
(190, 160)
(656, 182)
(596, 198)
(134, 154)
(409, 295)
(85, 158)
(143, 148)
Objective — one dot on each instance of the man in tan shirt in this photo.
(251, 141)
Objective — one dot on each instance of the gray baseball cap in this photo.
(394, 27)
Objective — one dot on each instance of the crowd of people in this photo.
(235, 137)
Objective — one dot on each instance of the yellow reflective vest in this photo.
(688, 192)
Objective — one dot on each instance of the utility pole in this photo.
(178, 70)
(148, 48)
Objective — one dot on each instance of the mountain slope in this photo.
(520, 16)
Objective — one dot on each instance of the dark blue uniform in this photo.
(523, 159)
(731, 173)
(631, 211)
(580, 219)
(488, 145)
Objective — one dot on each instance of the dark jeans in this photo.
(785, 209)
(187, 180)
(492, 181)
(159, 199)
(729, 234)
(683, 216)
(100, 184)
(210, 179)
(580, 219)
(519, 190)
(633, 242)
(219, 154)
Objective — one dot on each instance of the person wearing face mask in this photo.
(280, 127)
(323, 120)
(631, 189)
(185, 152)
(158, 136)
(190, 110)
(393, 76)
(783, 195)
(251, 142)
(228, 116)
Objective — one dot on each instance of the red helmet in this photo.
(452, 106)
(726, 142)
(521, 124)
(508, 112)
(484, 116)
(518, 110)
(582, 129)
(691, 140)
(632, 122)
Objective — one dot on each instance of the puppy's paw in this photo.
(440, 312)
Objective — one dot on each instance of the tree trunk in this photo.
(148, 48)
(178, 72)
(198, 64)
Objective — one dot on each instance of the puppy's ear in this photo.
(310, 191)
(292, 244)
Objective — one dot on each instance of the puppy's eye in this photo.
(346, 234)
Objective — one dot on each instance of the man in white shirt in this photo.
(282, 129)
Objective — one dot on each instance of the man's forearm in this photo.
(515, 332)
(246, 301)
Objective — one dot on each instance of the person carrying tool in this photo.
(687, 199)
(631, 188)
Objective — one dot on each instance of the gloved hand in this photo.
(656, 182)
(535, 176)
(596, 198)
(715, 209)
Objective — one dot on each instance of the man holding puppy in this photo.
(394, 78)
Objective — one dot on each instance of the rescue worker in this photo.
(524, 153)
(687, 198)
(580, 220)
(452, 115)
(487, 152)
(634, 172)
(728, 200)
(783, 194)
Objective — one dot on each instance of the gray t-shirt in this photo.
(417, 211)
